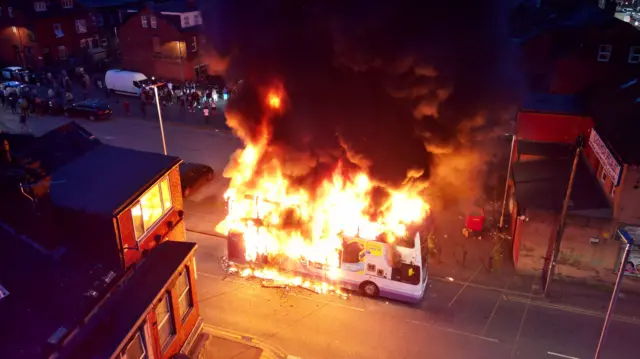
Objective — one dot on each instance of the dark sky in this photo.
(385, 77)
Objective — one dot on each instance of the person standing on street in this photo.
(143, 106)
(205, 110)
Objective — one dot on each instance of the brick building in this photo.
(106, 225)
(165, 40)
(567, 49)
(59, 32)
(605, 195)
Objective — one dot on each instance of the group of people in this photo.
(21, 101)
(189, 97)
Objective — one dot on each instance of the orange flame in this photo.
(278, 217)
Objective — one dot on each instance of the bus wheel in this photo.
(370, 289)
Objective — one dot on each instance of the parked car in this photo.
(90, 109)
(193, 176)
(10, 73)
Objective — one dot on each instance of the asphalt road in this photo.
(453, 321)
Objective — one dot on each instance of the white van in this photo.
(125, 82)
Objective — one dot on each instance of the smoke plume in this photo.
(398, 88)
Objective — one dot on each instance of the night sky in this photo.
(393, 81)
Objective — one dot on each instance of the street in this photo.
(454, 320)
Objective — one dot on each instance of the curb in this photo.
(534, 299)
(269, 351)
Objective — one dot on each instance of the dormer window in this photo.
(197, 18)
(186, 21)
(40, 6)
(604, 53)
(67, 4)
(634, 55)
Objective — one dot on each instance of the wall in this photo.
(161, 228)
(544, 127)
(578, 259)
(183, 328)
(136, 44)
(628, 196)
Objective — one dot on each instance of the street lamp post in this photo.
(506, 186)
(552, 258)
(616, 290)
(155, 91)
(181, 64)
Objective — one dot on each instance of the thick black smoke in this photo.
(396, 82)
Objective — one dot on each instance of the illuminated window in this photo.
(183, 289)
(154, 22)
(40, 6)
(152, 205)
(67, 4)
(185, 21)
(81, 26)
(143, 19)
(164, 319)
(634, 55)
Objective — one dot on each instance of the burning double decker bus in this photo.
(364, 260)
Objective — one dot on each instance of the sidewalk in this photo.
(218, 343)
(474, 269)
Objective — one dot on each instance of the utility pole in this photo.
(506, 186)
(616, 290)
(181, 64)
(552, 258)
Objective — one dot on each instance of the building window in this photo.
(67, 4)
(634, 55)
(155, 41)
(10, 11)
(185, 21)
(81, 26)
(31, 36)
(83, 43)
(143, 20)
(197, 18)
(183, 290)
(153, 21)
(136, 347)
(40, 6)
(604, 53)
(164, 320)
(194, 44)
(151, 206)
(603, 175)
(613, 191)
(120, 15)
(57, 29)
(62, 52)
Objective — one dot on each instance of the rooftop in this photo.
(47, 295)
(89, 4)
(107, 178)
(542, 185)
(123, 310)
(175, 6)
(553, 103)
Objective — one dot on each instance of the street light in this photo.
(16, 31)
(616, 290)
(155, 91)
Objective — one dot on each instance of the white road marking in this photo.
(562, 355)
(232, 279)
(493, 340)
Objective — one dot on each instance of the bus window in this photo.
(371, 267)
(407, 273)
(351, 251)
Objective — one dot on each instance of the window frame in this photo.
(197, 18)
(168, 318)
(139, 333)
(613, 191)
(634, 54)
(81, 26)
(153, 21)
(144, 21)
(67, 4)
(185, 21)
(186, 291)
(10, 11)
(66, 54)
(165, 208)
(40, 6)
(603, 54)
(57, 28)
